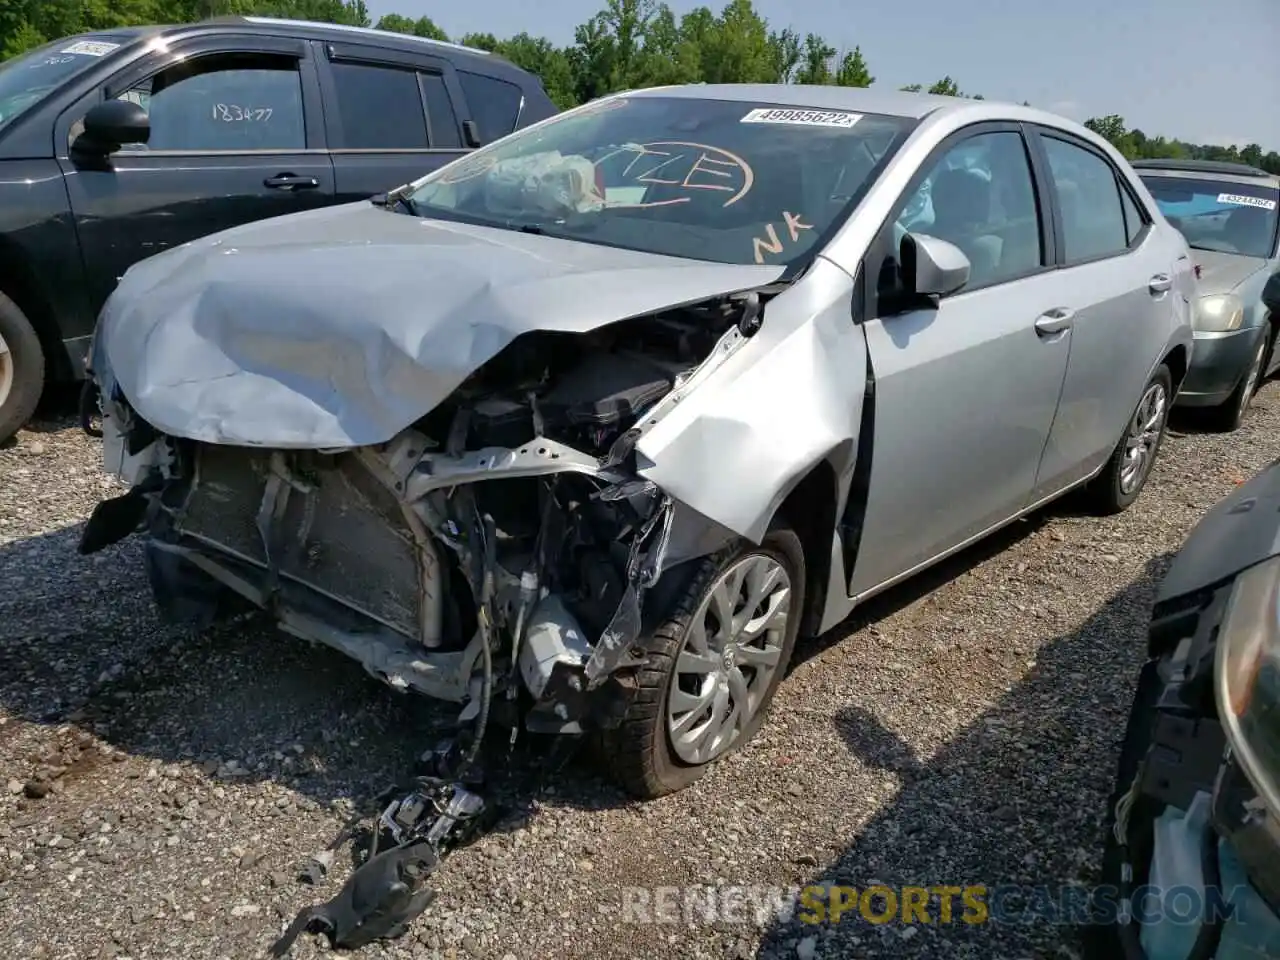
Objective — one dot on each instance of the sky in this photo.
(1203, 72)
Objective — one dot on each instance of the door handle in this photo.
(1055, 321)
(289, 181)
(1160, 283)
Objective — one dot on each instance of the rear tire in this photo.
(1229, 415)
(21, 369)
(1134, 457)
(646, 758)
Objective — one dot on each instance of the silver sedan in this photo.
(585, 429)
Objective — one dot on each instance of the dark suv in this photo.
(119, 144)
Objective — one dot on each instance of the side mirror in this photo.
(110, 125)
(471, 132)
(932, 267)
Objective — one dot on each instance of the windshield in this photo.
(1220, 215)
(716, 180)
(26, 79)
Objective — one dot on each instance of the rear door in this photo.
(495, 105)
(391, 116)
(965, 389)
(1122, 277)
(236, 135)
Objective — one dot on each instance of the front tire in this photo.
(1230, 414)
(21, 369)
(712, 668)
(1130, 465)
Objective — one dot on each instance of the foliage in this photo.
(626, 45)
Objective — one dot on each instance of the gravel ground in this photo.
(159, 789)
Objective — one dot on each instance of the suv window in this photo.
(444, 121)
(231, 101)
(981, 197)
(380, 108)
(1093, 222)
(494, 104)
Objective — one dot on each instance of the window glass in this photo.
(444, 122)
(1227, 216)
(29, 78)
(981, 197)
(494, 104)
(233, 102)
(1092, 217)
(380, 108)
(1133, 221)
(716, 180)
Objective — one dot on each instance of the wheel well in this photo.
(1176, 361)
(17, 282)
(810, 510)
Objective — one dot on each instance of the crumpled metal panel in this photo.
(342, 326)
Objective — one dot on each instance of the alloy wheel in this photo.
(6, 371)
(732, 649)
(1143, 437)
(1252, 375)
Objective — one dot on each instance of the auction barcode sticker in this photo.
(91, 48)
(803, 118)
(1242, 201)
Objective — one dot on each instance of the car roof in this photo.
(1200, 166)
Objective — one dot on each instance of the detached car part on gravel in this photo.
(582, 431)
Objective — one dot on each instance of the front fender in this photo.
(791, 396)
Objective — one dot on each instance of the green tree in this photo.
(422, 27)
(815, 60)
(853, 70)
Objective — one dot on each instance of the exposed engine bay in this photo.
(495, 554)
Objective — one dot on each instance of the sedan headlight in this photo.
(1248, 677)
(1219, 313)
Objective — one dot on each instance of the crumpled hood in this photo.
(342, 326)
(1223, 272)
(1241, 530)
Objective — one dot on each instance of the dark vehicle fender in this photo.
(1240, 531)
(41, 268)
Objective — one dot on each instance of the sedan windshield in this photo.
(1228, 217)
(726, 181)
(26, 79)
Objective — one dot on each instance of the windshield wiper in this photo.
(399, 195)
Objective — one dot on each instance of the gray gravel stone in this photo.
(959, 729)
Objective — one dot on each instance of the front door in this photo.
(391, 116)
(965, 391)
(236, 136)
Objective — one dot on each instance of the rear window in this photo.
(720, 180)
(1222, 215)
(494, 104)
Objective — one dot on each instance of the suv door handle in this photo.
(289, 181)
(1160, 283)
(1055, 321)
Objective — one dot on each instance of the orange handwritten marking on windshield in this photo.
(469, 171)
(686, 166)
(771, 242)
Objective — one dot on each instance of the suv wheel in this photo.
(21, 369)
(712, 668)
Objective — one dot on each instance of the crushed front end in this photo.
(496, 553)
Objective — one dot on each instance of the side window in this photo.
(494, 104)
(444, 121)
(380, 108)
(981, 197)
(1093, 217)
(224, 102)
(1133, 221)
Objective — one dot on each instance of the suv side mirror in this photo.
(932, 267)
(471, 132)
(110, 125)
